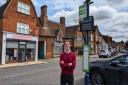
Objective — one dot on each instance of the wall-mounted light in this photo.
(30, 31)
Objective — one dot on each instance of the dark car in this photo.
(110, 72)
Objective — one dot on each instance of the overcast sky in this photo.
(111, 16)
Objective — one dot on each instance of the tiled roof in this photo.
(71, 31)
(107, 38)
(96, 27)
(52, 28)
(45, 31)
(3, 8)
(54, 25)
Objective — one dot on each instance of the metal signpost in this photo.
(86, 25)
(85, 58)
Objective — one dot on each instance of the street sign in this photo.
(87, 24)
(86, 58)
(82, 12)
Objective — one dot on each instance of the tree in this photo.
(126, 43)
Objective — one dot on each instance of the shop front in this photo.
(19, 48)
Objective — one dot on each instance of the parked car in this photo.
(104, 54)
(113, 71)
(114, 52)
(123, 51)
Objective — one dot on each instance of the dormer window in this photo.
(23, 8)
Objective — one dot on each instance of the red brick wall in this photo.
(0, 42)
(49, 47)
(0, 37)
(12, 16)
(1, 23)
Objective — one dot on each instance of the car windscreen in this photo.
(102, 50)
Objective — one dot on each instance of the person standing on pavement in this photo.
(67, 64)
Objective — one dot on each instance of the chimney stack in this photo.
(44, 11)
(62, 20)
(44, 17)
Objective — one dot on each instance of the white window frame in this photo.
(22, 28)
(91, 37)
(23, 8)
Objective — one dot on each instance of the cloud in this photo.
(67, 15)
(117, 27)
(66, 8)
(2, 2)
(115, 1)
(102, 12)
(110, 15)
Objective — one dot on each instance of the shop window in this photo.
(11, 54)
(30, 54)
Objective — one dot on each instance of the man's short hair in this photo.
(67, 41)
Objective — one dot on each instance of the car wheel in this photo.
(107, 56)
(100, 56)
(97, 78)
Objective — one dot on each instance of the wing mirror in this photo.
(115, 63)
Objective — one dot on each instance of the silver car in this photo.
(104, 54)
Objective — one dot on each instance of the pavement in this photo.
(43, 61)
(22, 64)
(38, 62)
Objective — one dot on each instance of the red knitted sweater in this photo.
(67, 58)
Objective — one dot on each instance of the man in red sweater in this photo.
(67, 64)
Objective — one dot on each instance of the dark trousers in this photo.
(67, 79)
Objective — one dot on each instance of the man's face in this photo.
(67, 45)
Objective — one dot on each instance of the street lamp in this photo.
(87, 3)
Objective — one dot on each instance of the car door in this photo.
(124, 72)
(113, 71)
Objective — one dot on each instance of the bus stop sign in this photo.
(87, 24)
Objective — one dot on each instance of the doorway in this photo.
(41, 50)
(22, 53)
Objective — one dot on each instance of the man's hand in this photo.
(70, 64)
(62, 62)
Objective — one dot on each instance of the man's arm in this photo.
(62, 64)
(73, 63)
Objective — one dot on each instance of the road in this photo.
(41, 74)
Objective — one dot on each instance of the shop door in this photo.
(21, 53)
(41, 50)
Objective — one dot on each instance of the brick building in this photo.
(95, 40)
(120, 46)
(53, 34)
(73, 34)
(50, 35)
(99, 41)
(108, 40)
(18, 31)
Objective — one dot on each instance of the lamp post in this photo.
(86, 25)
(87, 3)
(86, 41)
